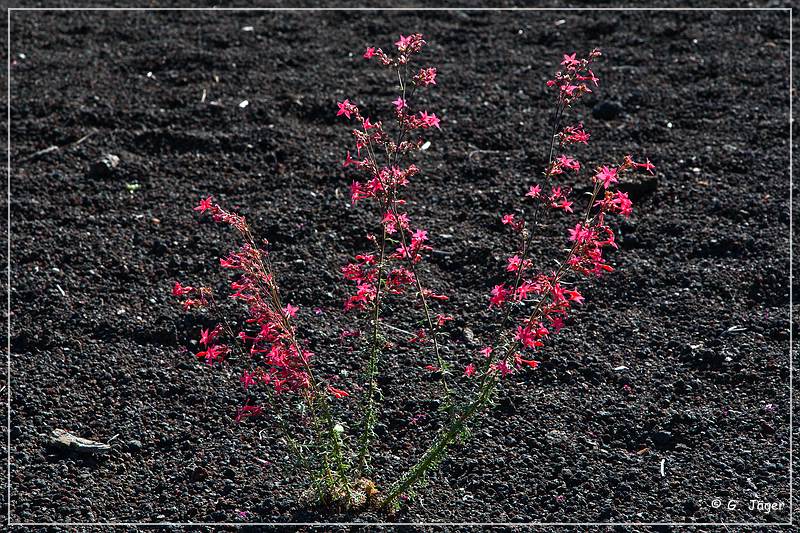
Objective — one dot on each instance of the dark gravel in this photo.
(697, 311)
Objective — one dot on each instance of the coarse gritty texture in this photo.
(696, 312)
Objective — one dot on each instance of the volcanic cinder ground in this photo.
(680, 357)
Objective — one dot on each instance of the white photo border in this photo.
(9, 10)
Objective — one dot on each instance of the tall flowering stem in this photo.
(570, 84)
(383, 180)
(548, 299)
(278, 358)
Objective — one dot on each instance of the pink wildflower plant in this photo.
(532, 302)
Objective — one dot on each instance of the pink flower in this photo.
(565, 205)
(591, 77)
(580, 234)
(524, 336)
(558, 293)
(607, 176)
(574, 134)
(568, 89)
(349, 160)
(188, 304)
(181, 290)
(247, 380)
(290, 311)
(486, 352)
(469, 370)
(528, 337)
(247, 411)
(338, 393)
(400, 103)
(426, 76)
(420, 337)
(391, 222)
(429, 120)
(524, 289)
(569, 60)
(420, 235)
(499, 295)
(568, 162)
(575, 296)
(398, 278)
(520, 361)
(213, 353)
(357, 192)
(370, 52)
(580, 137)
(409, 45)
(622, 203)
(515, 263)
(430, 294)
(504, 369)
(347, 333)
(205, 204)
(403, 42)
(508, 219)
(441, 320)
(647, 165)
(345, 108)
(207, 337)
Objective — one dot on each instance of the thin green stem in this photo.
(435, 452)
(370, 416)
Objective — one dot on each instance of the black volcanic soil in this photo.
(696, 312)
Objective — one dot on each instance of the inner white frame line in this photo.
(443, 9)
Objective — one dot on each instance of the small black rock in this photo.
(662, 438)
(199, 474)
(606, 512)
(134, 445)
(103, 167)
(607, 110)
(507, 406)
(158, 248)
